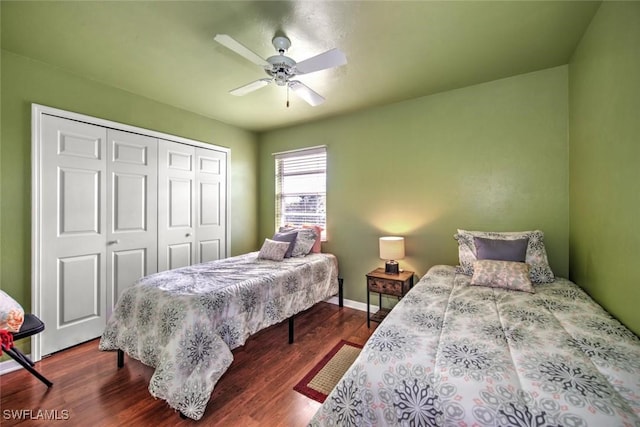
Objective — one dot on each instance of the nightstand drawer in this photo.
(387, 287)
(386, 284)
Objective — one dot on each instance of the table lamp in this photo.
(391, 249)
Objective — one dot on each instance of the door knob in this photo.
(113, 242)
(188, 235)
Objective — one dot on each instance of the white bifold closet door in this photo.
(132, 204)
(99, 227)
(191, 205)
(115, 203)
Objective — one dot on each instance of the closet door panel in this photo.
(211, 204)
(210, 194)
(180, 201)
(79, 207)
(210, 250)
(127, 266)
(176, 201)
(179, 255)
(132, 205)
(73, 232)
(129, 203)
(79, 293)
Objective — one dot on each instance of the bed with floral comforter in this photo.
(450, 354)
(185, 322)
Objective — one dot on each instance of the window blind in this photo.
(301, 196)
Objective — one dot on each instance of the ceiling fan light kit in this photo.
(281, 69)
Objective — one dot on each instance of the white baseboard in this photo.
(10, 366)
(357, 305)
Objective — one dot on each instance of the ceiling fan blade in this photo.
(250, 87)
(329, 59)
(230, 43)
(306, 93)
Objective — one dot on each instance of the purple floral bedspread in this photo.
(450, 354)
(185, 322)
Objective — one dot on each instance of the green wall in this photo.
(25, 81)
(492, 156)
(604, 157)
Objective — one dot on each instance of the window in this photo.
(301, 195)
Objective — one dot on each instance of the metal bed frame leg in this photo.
(340, 304)
(291, 330)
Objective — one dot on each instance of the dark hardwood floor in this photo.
(257, 390)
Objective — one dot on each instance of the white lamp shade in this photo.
(391, 248)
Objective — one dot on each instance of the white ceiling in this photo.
(396, 50)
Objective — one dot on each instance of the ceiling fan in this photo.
(282, 69)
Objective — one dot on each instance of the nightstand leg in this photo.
(368, 315)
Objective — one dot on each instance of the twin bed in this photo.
(456, 353)
(185, 322)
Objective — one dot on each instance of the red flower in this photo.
(6, 339)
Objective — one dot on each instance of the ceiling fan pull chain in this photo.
(287, 96)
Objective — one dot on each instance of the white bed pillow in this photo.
(273, 250)
(536, 255)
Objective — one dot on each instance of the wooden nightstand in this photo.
(386, 284)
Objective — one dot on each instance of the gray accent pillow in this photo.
(273, 250)
(304, 241)
(501, 250)
(289, 237)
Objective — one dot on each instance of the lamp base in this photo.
(392, 267)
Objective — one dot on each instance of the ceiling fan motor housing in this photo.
(282, 68)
